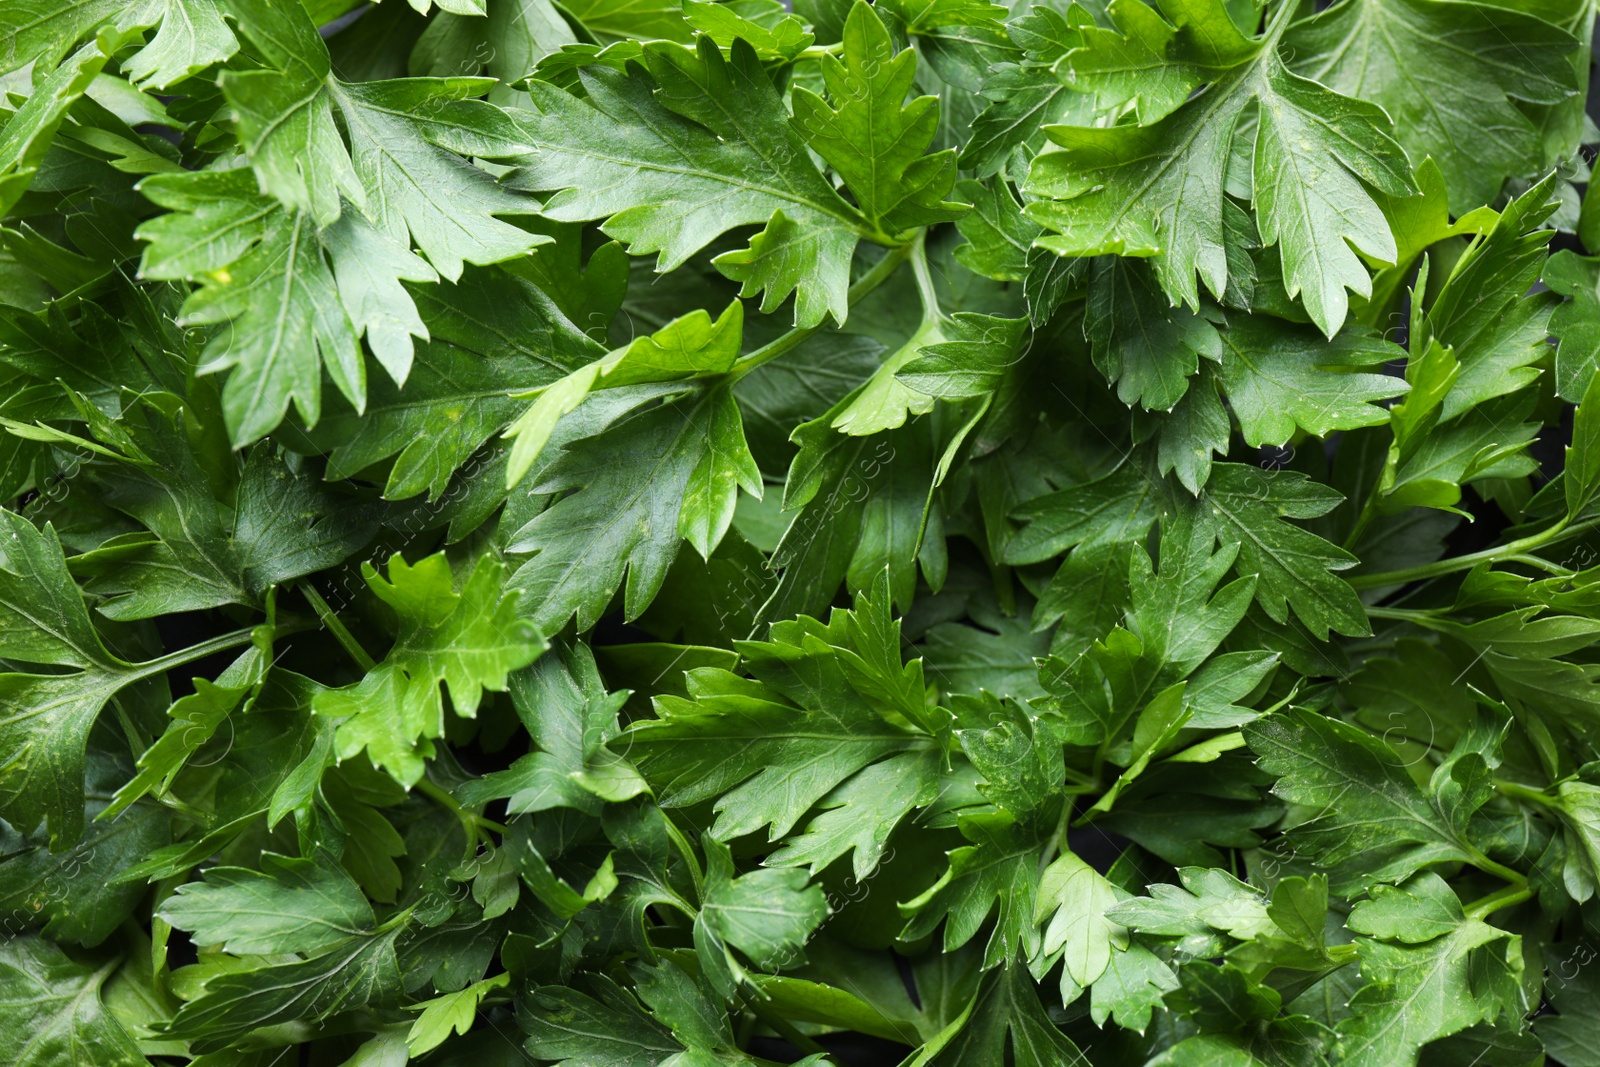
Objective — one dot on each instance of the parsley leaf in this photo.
(470, 640)
(1156, 190)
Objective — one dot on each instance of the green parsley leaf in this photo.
(1407, 55)
(869, 139)
(1156, 190)
(53, 1008)
(470, 640)
(291, 905)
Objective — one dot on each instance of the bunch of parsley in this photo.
(677, 533)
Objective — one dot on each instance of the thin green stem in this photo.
(1368, 510)
(1342, 954)
(1540, 564)
(1500, 554)
(1501, 898)
(782, 1027)
(1278, 23)
(790, 340)
(686, 909)
(1499, 870)
(924, 275)
(1420, 616)
(817, 51)
(220, 643)
(1051, 849)
(184, 808)
(138, 740)
(331, 620)
(1082, 778)
(696, 875)
(471, 822)
(1518, 791)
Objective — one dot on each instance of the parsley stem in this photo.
(1278, 23)
(817, 51)
(1514, 550)
(792, 339)
(1343, 954)
(335, 627)
(924, 276)
(782, 1027)
(220, 643)
(1054, 847)
(696, 875)
(183, 807)
(1082, 779)
(1368, 510)
(470, 821)
(130, 729)
(1518, 791)
(1540, 564)
(1500, 898)
(1499, 870)
(1420, 616)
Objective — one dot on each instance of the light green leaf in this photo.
(451, 1013)
(777, 34)
(1419, 993)
(470, 640)
(1421, 910)
(563, 703)
(710, 150)
(871, 137)
(687, 347)
(1207, 899)
(1075, 900)
(28, 133)
(190, 36)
